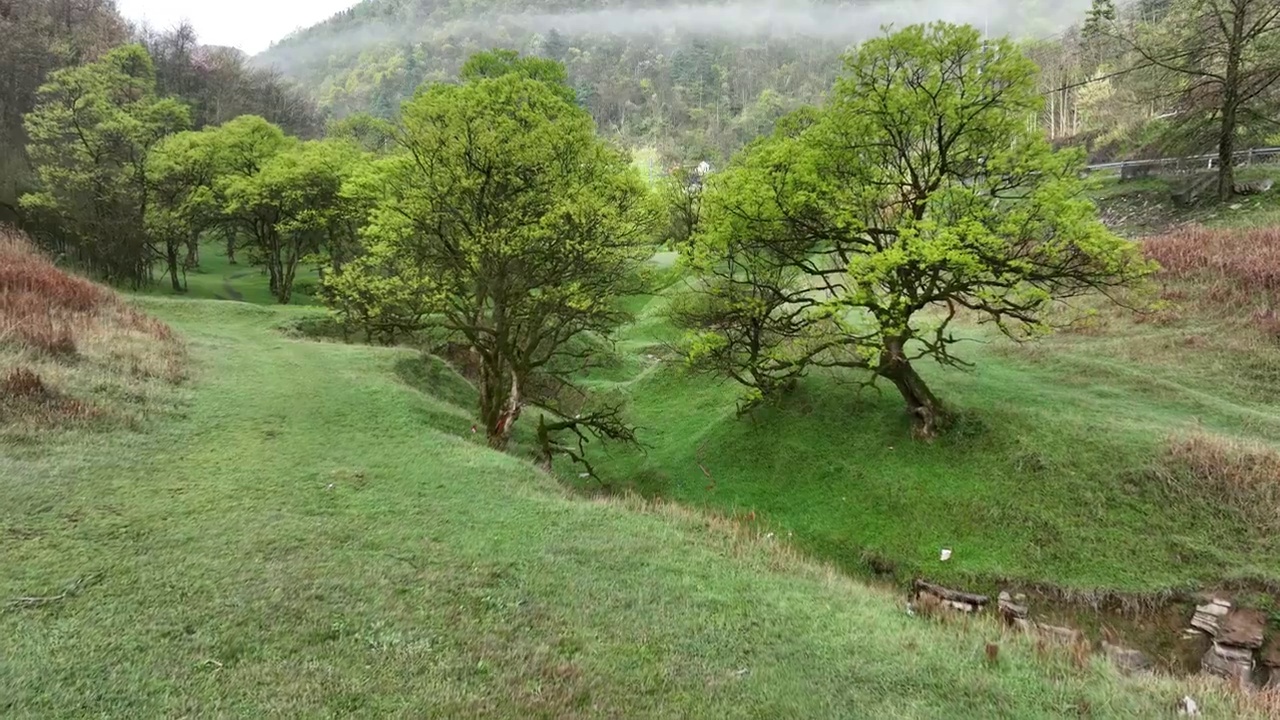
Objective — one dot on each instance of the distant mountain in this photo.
(695, 79)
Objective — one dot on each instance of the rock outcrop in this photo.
(1208, 616)
(1237, 634)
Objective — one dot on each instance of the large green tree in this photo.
(507, 226)
(91, 134)
(860, 231)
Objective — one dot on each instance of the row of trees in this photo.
(127, 185)
(491, 216)
(43, 38)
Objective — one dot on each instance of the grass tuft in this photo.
(1236, 474)
(23, 383)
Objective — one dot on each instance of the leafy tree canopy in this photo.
(505, 224)
(91, 133)
(859, 231)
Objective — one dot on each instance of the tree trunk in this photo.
(193, 253)
(500, 402)
(172, 259)
(927, 413)
(1230, 109)
(1226, 154)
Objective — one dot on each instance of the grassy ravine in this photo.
(1057, 475)
(1054, 475)
(303, 534)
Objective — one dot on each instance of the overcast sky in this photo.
(250, 25)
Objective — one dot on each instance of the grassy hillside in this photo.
(72, 352)
(1111, 457)
(310, 528)
(304, 534)
(1057, 473)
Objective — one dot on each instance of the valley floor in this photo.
(303, 534)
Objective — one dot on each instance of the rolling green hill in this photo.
(301, 533)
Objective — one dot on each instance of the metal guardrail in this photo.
(1196, 162)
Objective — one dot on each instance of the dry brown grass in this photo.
(1235, 270)
(1241, 476)
(69, 348)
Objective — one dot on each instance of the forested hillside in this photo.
(698, 81)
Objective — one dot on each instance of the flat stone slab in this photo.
(1228, 662)
(1242, 627)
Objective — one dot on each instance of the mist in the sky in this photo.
(846, 22)
(780, 18)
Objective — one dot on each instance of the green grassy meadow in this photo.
(309, 528)
(1049, 477)
(301, 533)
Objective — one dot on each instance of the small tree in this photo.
(91, 134)
(682, 195)
(504, 224)
(857, 233)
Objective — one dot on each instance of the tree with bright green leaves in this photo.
(182, 170)
(294, 207)
(503, 224)
(857, 233)
(241, 148)
(91, 134)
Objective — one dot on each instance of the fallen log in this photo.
(952, 595)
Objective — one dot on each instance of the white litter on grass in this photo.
(584, 475)
(1188, 707)
(946, 554)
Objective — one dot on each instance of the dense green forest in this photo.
(698, 82)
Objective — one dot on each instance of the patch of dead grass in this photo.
(71, 349)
